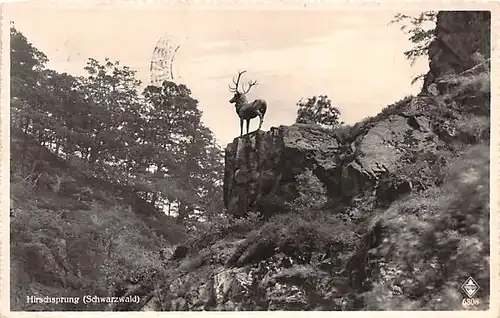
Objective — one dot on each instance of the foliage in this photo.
(473, 129)
(93, 162)
(445, 235)
(319, 110)
(26, 60)
(475, 80)
(154, 142)
(60, 246)
(420, 30)
(464, 99)
(301, 237)
(311, 193)
(220, 227)
(178, 129)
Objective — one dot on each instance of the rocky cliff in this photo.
(458, 35)
(391, 213)
(263, 170)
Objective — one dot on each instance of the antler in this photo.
(235, 89)
(250, 84)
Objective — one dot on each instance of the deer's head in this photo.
(240, 96)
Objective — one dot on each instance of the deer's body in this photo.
(247, 110)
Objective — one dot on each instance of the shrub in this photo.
(300, 236)
(470, 89)
(204, 234)
(319, 110)
(473, 129)
(311, 193)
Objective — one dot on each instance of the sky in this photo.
(355, 57)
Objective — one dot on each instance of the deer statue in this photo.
(244, 109)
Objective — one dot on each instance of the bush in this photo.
(319, 110)
(473, 129)
(300, 237)
(204, 234)
(311, 194)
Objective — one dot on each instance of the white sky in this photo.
(354, 57)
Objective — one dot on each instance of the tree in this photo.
(112, 91)
(154, 144)
(319, 110)
(174, 125)
(26, 59)
(27, 64)
(421, 32)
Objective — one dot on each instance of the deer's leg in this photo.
(248, 126)
(261, 119)
(241, 127)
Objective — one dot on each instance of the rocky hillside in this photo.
(391, 213)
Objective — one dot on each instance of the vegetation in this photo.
(420, 30)
(154, 144)
(95, 168)
(319, 110)
(116, 191)
(444, 232)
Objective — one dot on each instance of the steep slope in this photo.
(392, 213)
(73, 236)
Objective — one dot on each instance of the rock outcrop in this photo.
(458, 36)
(364, 217)
(263, 168)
